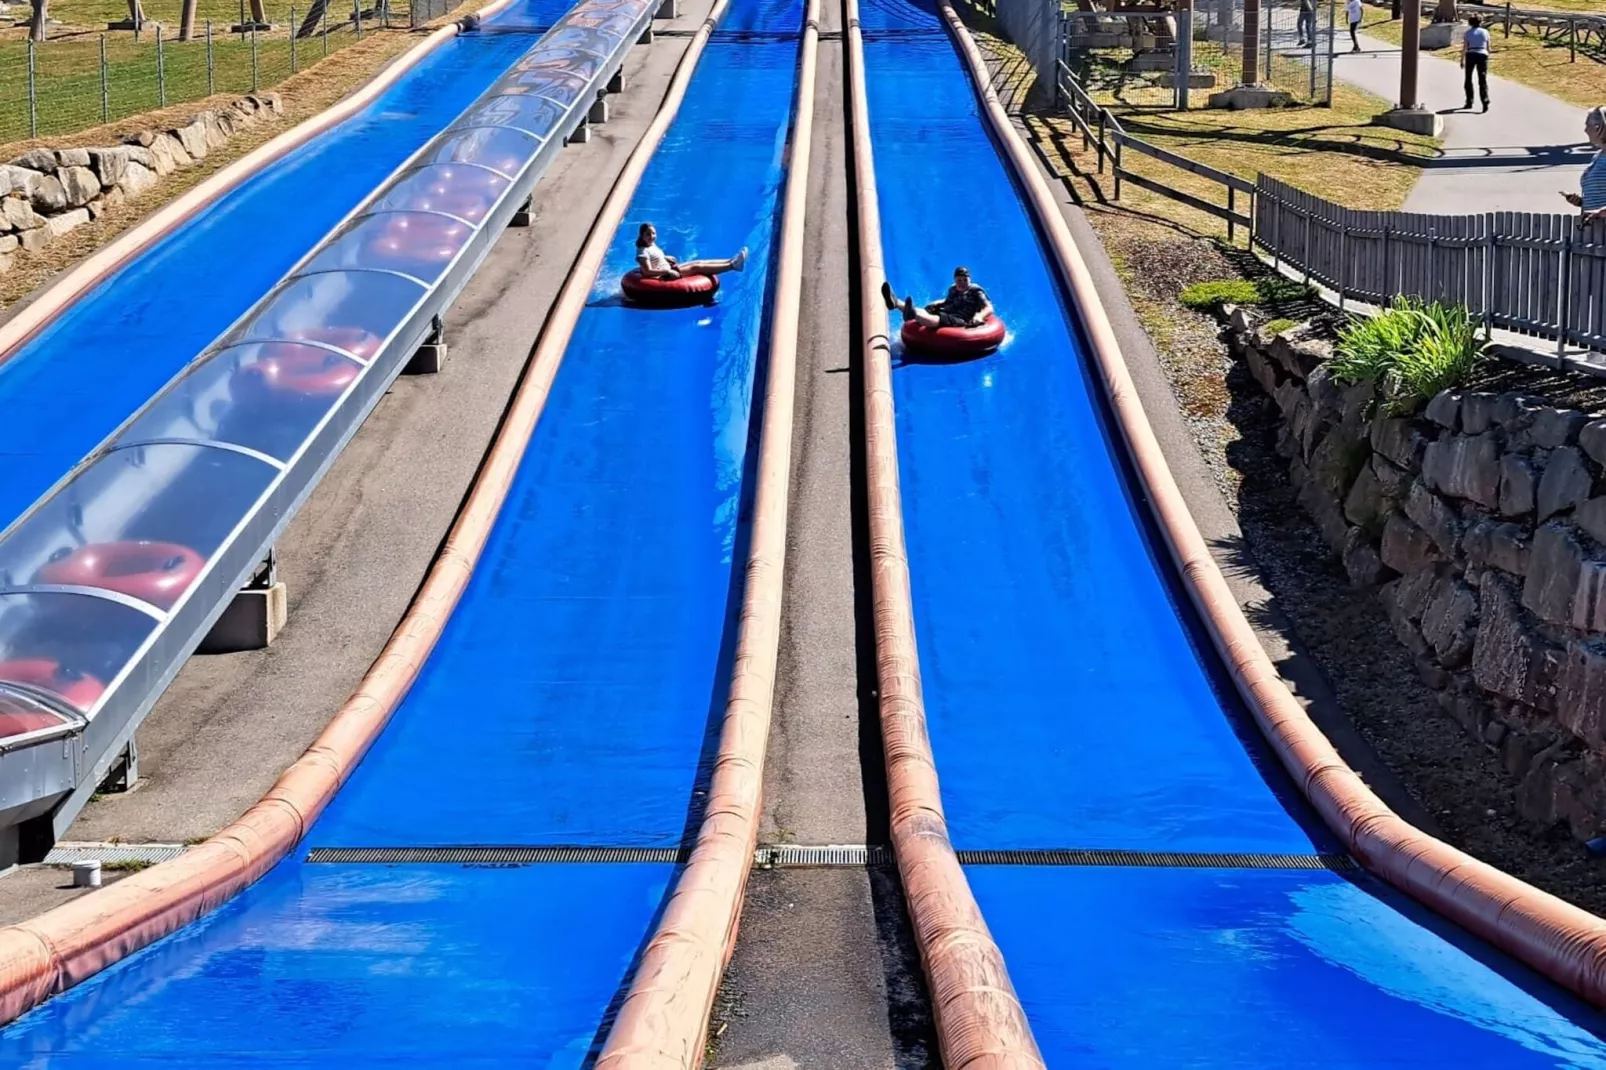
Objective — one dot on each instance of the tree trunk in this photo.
(36, 25)
(186, 21)
(1251, 42)
(1445, 12)
(136, 13)
(258, 14)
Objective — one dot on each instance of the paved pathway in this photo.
(1518, 157)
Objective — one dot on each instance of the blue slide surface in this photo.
(569, 701)
(72, 385)
(1070, 705)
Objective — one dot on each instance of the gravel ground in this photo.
(1455, 777)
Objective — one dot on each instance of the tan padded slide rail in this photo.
(663, 1022)
(1557, 939)
(94, 269)
(980, 1022)
(60, 948)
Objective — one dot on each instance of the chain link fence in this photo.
(1293, 49)
(78, 79)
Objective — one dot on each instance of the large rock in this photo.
(1366, 505)
(1581, 691)
(1394, 481)
(80, 184)
(1551, 428)
(1406, 548)
(1435, 516)
(66, 221)
(35, 239)
(1464, 466)
(13, 179)
(137, 178)
(1567, 482)
(1444, 409)
(1519, 485)
(1324, 509)
(168, 154)
(1262, 370)
(1508, 656)
(1361, 561)
(1398, 440)
(36, 160)
(20, 214)
(1516, 412)
(1477, 412)
(1566, 585)
(1503, 546)
(110, 163)
(1448, 622)
(1591, 516)
(9, 243)
(45, 193)
(217, 135)
(72, 157)
(1592, 438)
(192, 137)
(1339, 457)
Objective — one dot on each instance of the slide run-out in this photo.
(1073, 706)
(568, 703)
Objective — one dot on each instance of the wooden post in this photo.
(1251, 45)
(1410, 52)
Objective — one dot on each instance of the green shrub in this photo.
(1411, 351)
(1210, 296)
(1278, 326)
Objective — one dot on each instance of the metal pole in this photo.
(356, 14)
(1508, 19)
(161, 73)
(33, 93)
(1410, 53)
(326, 27)
(1184, 52)
(292, 39)
(1101, 140)
(1117, 166)
(1313, 52)
(105, 84)
(242, 18)
(1332, 46)
(1572, 40)
(1563, 304)
(211, 71)
(1232, 208)
(253, 58)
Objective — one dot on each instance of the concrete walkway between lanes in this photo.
(1517, 157)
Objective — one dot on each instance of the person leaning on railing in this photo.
(1591, 195)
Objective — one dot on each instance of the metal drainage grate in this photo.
(789, 855)
(65, 854)
(1170, 859)
(493, 855)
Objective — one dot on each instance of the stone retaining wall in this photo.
(1481, 522)
(45, 193)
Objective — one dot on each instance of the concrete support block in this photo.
(124, 772)
(1414, 120)
(1197, 79)
(429, 359)
(646, 36)
(1442, 35)
(247, 27)
(581, 135)
(1245, 97)
(521, 217)
(598, 112)
(616, 84)
(251, 622)
(669, 9)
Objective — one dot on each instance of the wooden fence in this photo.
(1539, 275)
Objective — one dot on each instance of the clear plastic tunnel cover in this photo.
(520, 109)
(501, 148)
(462, 190)
(265, 396)
(420, 244)
(139, 522)
(354, 311)
(23, 710)
(69, 646)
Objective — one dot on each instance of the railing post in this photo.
(33, 93)
(356, 16)
(1101, 141)
(1492, 240)
(326, 28)
(254, 76)
(211, 68)
(1508, 18)
(1117, 167)
(1572, 40)
(1231, 208)
(1277, 234)
(1564, 304)
(161, 72)
(105, 84)
(1343, 263)
(292, 39)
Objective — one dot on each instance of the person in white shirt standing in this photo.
(655, 264)
(1352, 11)
(1475, 57)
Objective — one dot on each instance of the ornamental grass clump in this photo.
(1410, 351)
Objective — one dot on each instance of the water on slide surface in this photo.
(1069, 706)
(71, 385)
(569, 701)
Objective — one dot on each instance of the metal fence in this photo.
(78, 80)
(422, 12)
(1294, 47)
(1539, 275)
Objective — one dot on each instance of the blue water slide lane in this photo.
(70, 386)
(1070, 705)
(567, 703)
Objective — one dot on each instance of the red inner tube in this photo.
(424, 239)
(299, 371)
(79, 690)
(954, 341)
(669, 293)
(154, 572)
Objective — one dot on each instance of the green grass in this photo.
(1411, 351)
(1278, 326)
(69, 92)
(1211, 296)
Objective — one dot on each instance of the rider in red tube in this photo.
(655, 264)
(966, 305)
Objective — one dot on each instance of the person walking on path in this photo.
(1352, 11)
(1475, 57)
(1307, 23)
(1591, 195)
